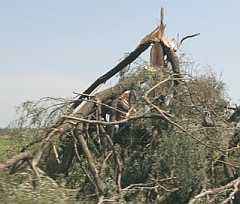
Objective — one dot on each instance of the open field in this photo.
(6, 144)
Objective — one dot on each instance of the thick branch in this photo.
(214, 191)
(16, 158)
(92, 167)
(129, 59)
(103, 96)
(100, 122)
(166, 195)
(36, 154)
(173, 59)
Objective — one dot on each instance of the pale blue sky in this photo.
(54, 47)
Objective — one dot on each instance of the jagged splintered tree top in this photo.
(162, 46)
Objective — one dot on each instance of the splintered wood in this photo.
(159, 40)
(159, 44)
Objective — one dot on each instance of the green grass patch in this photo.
(7, 145)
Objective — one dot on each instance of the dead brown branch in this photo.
(74, 120)
(129, 59)
(143, 186)
(214, 191)
(189, 36)
(94, 171)
(104, 137)
(16, 158)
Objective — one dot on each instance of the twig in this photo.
(189, 36)
(103, 104)
(56, 154)
(115, 122)
(214, 191)
(229, 164)
(115, 154)
(103, 166)
(166, 195)
(79, 158)
(236, 190)
(83, 94)
(166, 115)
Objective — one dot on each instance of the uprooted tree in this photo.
(162, 134)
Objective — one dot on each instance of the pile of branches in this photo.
(96, 133)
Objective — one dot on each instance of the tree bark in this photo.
(90, 159)
(144, 45)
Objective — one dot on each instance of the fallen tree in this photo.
(161, 134)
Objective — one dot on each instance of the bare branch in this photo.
(189, 36)
(214, 191)
(56, 154)
(115, 122)
(16, 158)
(94, 171)
(129, 59)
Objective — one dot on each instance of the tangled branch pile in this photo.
(162, 134)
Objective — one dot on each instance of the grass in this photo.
(7, 145)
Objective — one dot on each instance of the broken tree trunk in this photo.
(45, 146)
(67, 125)
(72, 133)
(128, 60)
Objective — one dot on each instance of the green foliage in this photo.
(8, 146)
(176, 152)
(20, 189)
(40, 114)
(182, 147)
(172, 156)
